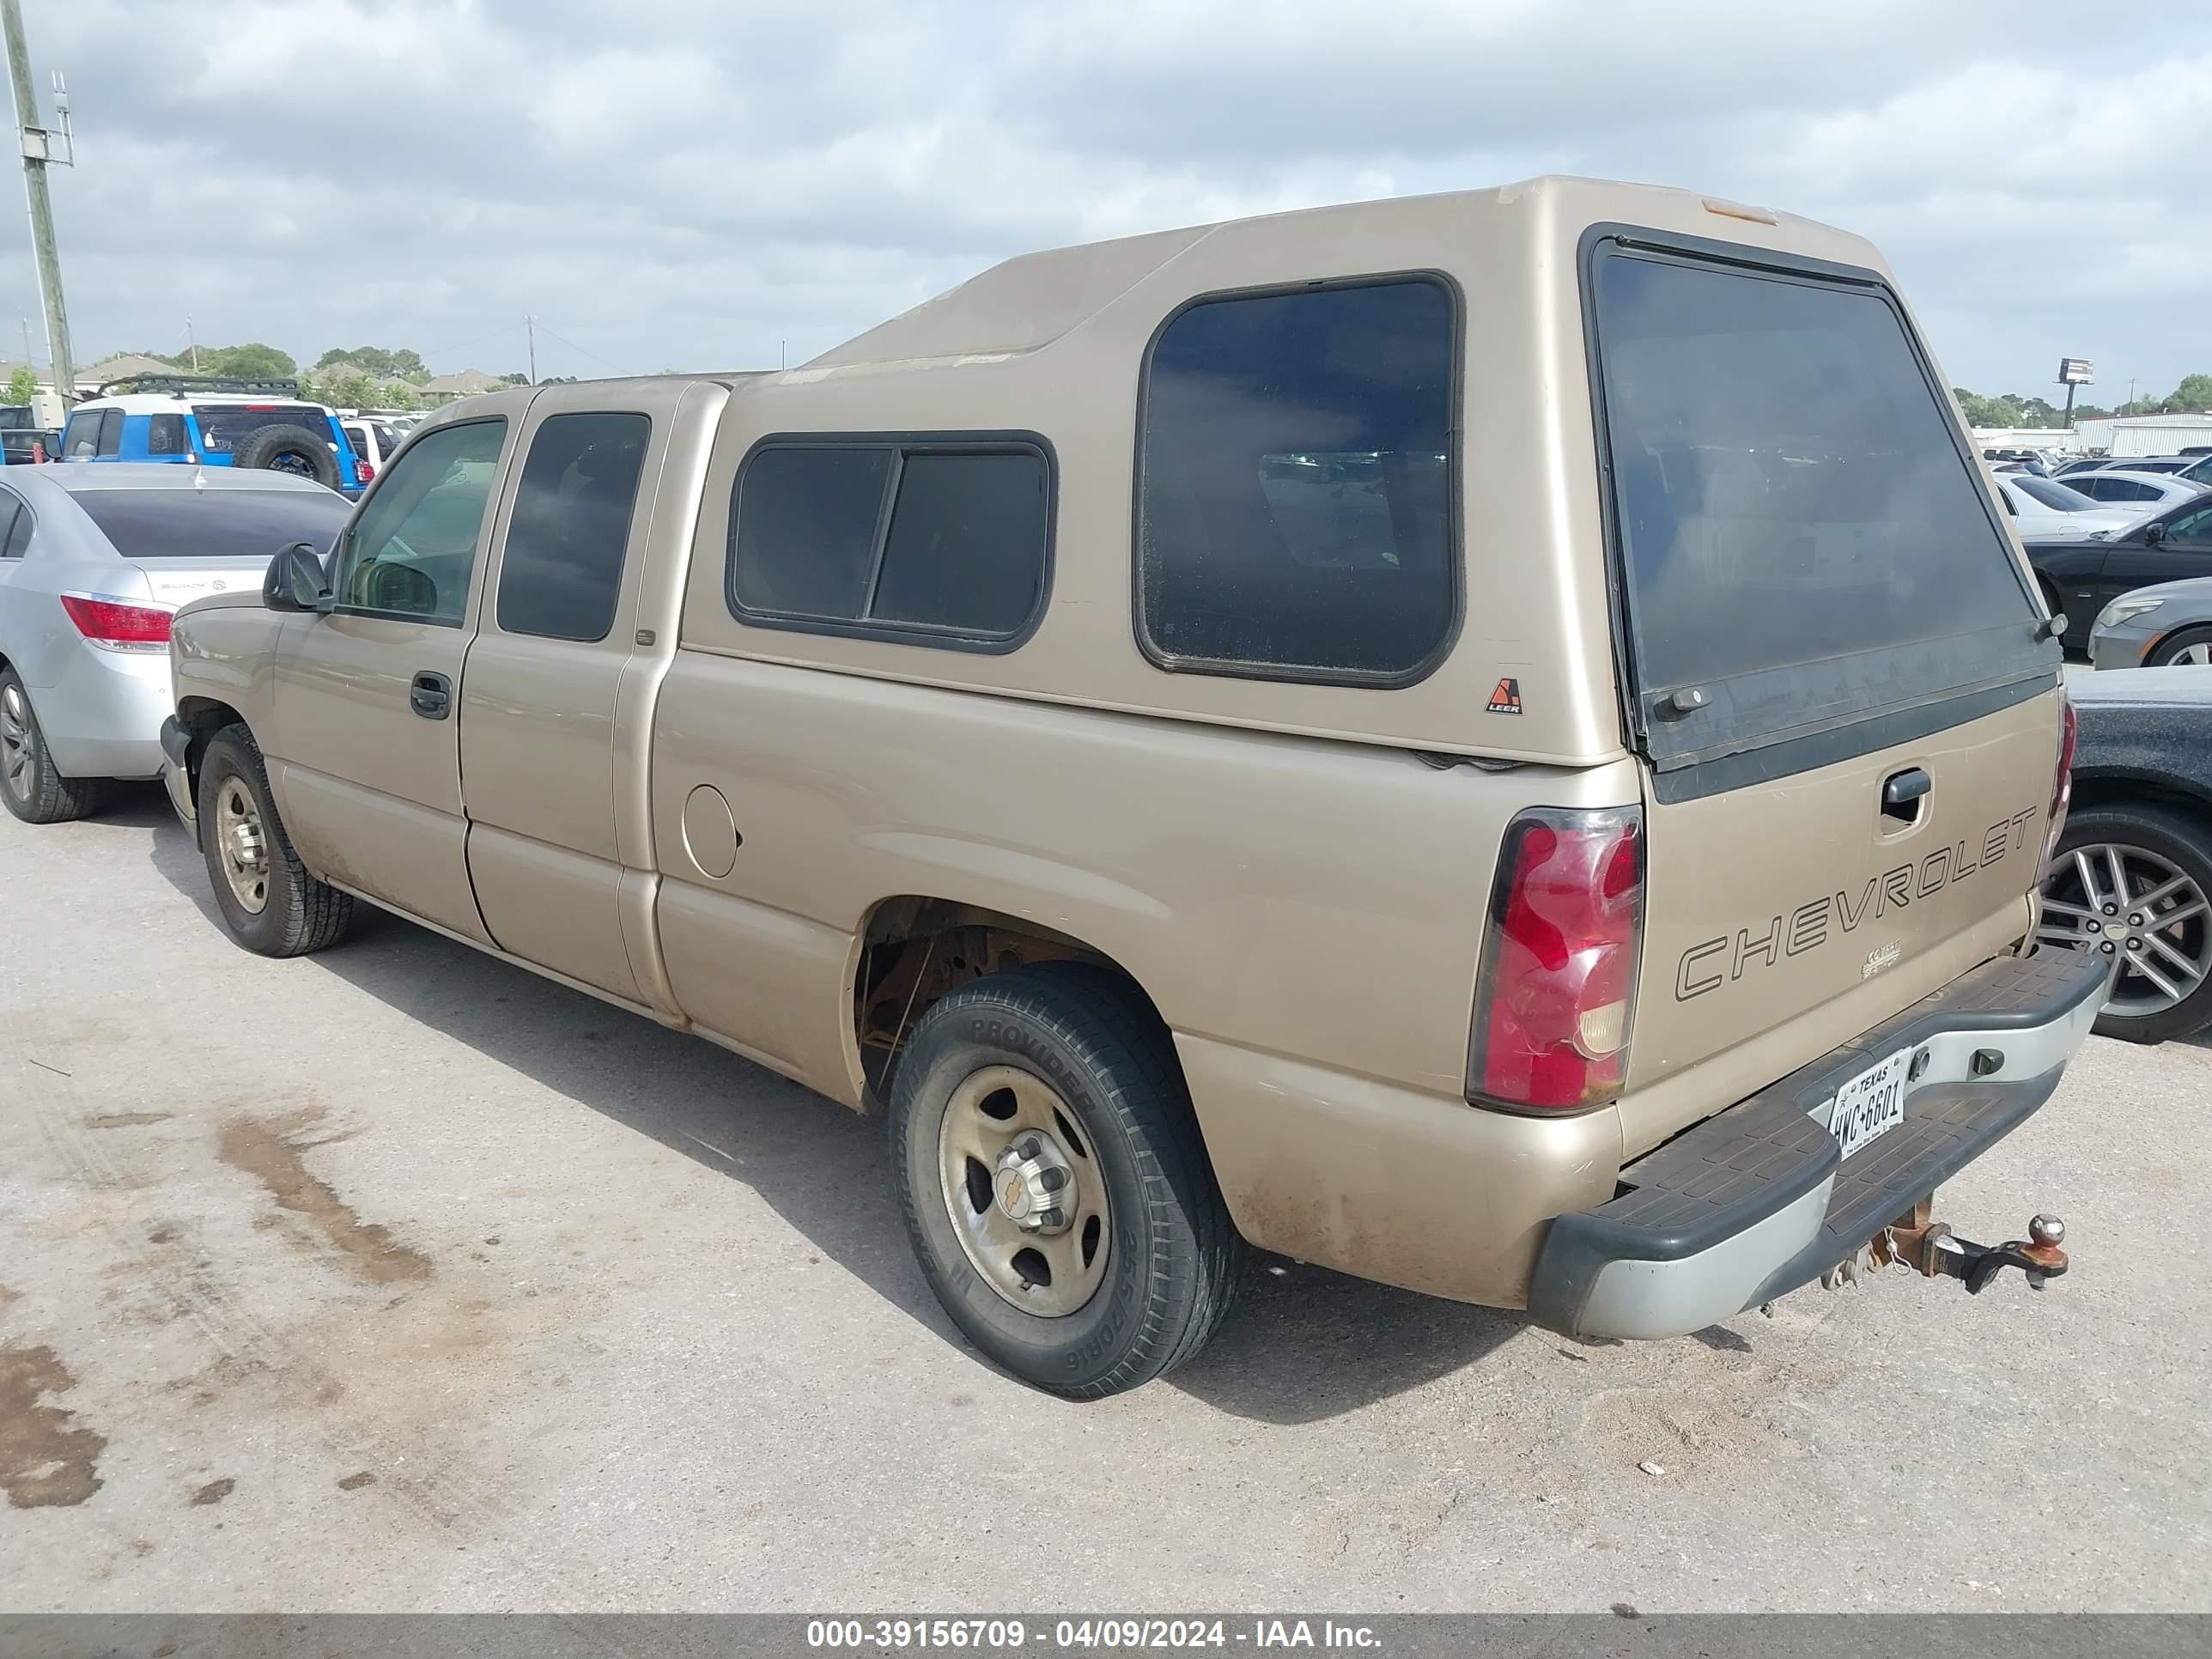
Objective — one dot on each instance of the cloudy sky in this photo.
(695, 183)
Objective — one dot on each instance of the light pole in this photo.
(43, 149)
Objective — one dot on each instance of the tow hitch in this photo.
(1930, 1247)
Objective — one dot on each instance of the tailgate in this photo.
(1837, 669)
(1783, 920)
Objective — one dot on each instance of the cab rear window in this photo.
(1802, 539)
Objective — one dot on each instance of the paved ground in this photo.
(400, 1278)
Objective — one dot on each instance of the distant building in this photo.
(89, 381)
(466, 384)
(2144, 434)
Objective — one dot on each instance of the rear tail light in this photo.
(1557, 997)
(363, 473)
(2061, 785)
(117, 624)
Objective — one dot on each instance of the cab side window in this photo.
(165, 434)
(81, 438)
(560, 574)
(111, 431)
(412, 552)
(2191, 529)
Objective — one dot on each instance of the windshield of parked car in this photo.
(1803, 538)
(223, 427)
(205, 524)
(2057, 497)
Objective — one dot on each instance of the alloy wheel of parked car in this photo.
(2190, 647)
(33, 791)
(2132, 883)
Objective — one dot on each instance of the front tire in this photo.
(2134, 883)
(1056, 1190)
(270, 902)
(33, 790)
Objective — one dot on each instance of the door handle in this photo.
(1902, 791)
(431, 696)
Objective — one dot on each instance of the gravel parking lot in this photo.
(400, 1278)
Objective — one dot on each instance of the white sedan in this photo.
(2043, 510)
(2142, 493)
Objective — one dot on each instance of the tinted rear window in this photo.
(205, 524)
(223, 425)
(1802, 537)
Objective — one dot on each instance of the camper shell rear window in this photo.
(1802, 541)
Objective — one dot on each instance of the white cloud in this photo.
(689, 184)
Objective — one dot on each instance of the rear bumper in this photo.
(1758, 1200)
(101, 715)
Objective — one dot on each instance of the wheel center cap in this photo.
(1033, 1184)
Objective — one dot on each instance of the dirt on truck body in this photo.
(1085, 719)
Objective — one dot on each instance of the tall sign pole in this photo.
(2072, 372)
(42, 148)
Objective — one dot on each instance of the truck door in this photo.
(542, 760)
(364, 748)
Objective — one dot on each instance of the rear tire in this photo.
(270, 902)
(33, 790)
(293, 449)
(2154, 845)
(1096, 1073)
(2195, 643)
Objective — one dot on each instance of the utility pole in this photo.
(530, 329)
(28, 363)
(38, 151)
(192, 342)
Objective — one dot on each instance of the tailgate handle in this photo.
(1901, 792)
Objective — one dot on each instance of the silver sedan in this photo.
(2155, 626)
(95, 559)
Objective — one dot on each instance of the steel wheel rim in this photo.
(15, 751)
(241, 844)
(1004, 1130)
(2141, 910)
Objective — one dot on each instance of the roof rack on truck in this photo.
(187, 384)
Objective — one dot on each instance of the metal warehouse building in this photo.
(2142, 435)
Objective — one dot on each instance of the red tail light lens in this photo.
(363, 473)
(1557, 997)
(2061, 785)
(116, 625)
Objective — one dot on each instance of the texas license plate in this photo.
(1871, 1105)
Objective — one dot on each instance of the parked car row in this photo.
(1193, 869)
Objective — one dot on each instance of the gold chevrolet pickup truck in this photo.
(1104, 720)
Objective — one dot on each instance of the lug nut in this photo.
(2134, 944)
(2135, 920)
(2093, 926)
(1054, 1180)
(2111, 909)
(2106, 947)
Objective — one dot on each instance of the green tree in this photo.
(402, 362)
(252, 360)
(22, 386)
(2194, 393)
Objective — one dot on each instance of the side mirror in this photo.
(295, 580)
(2154, 534)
